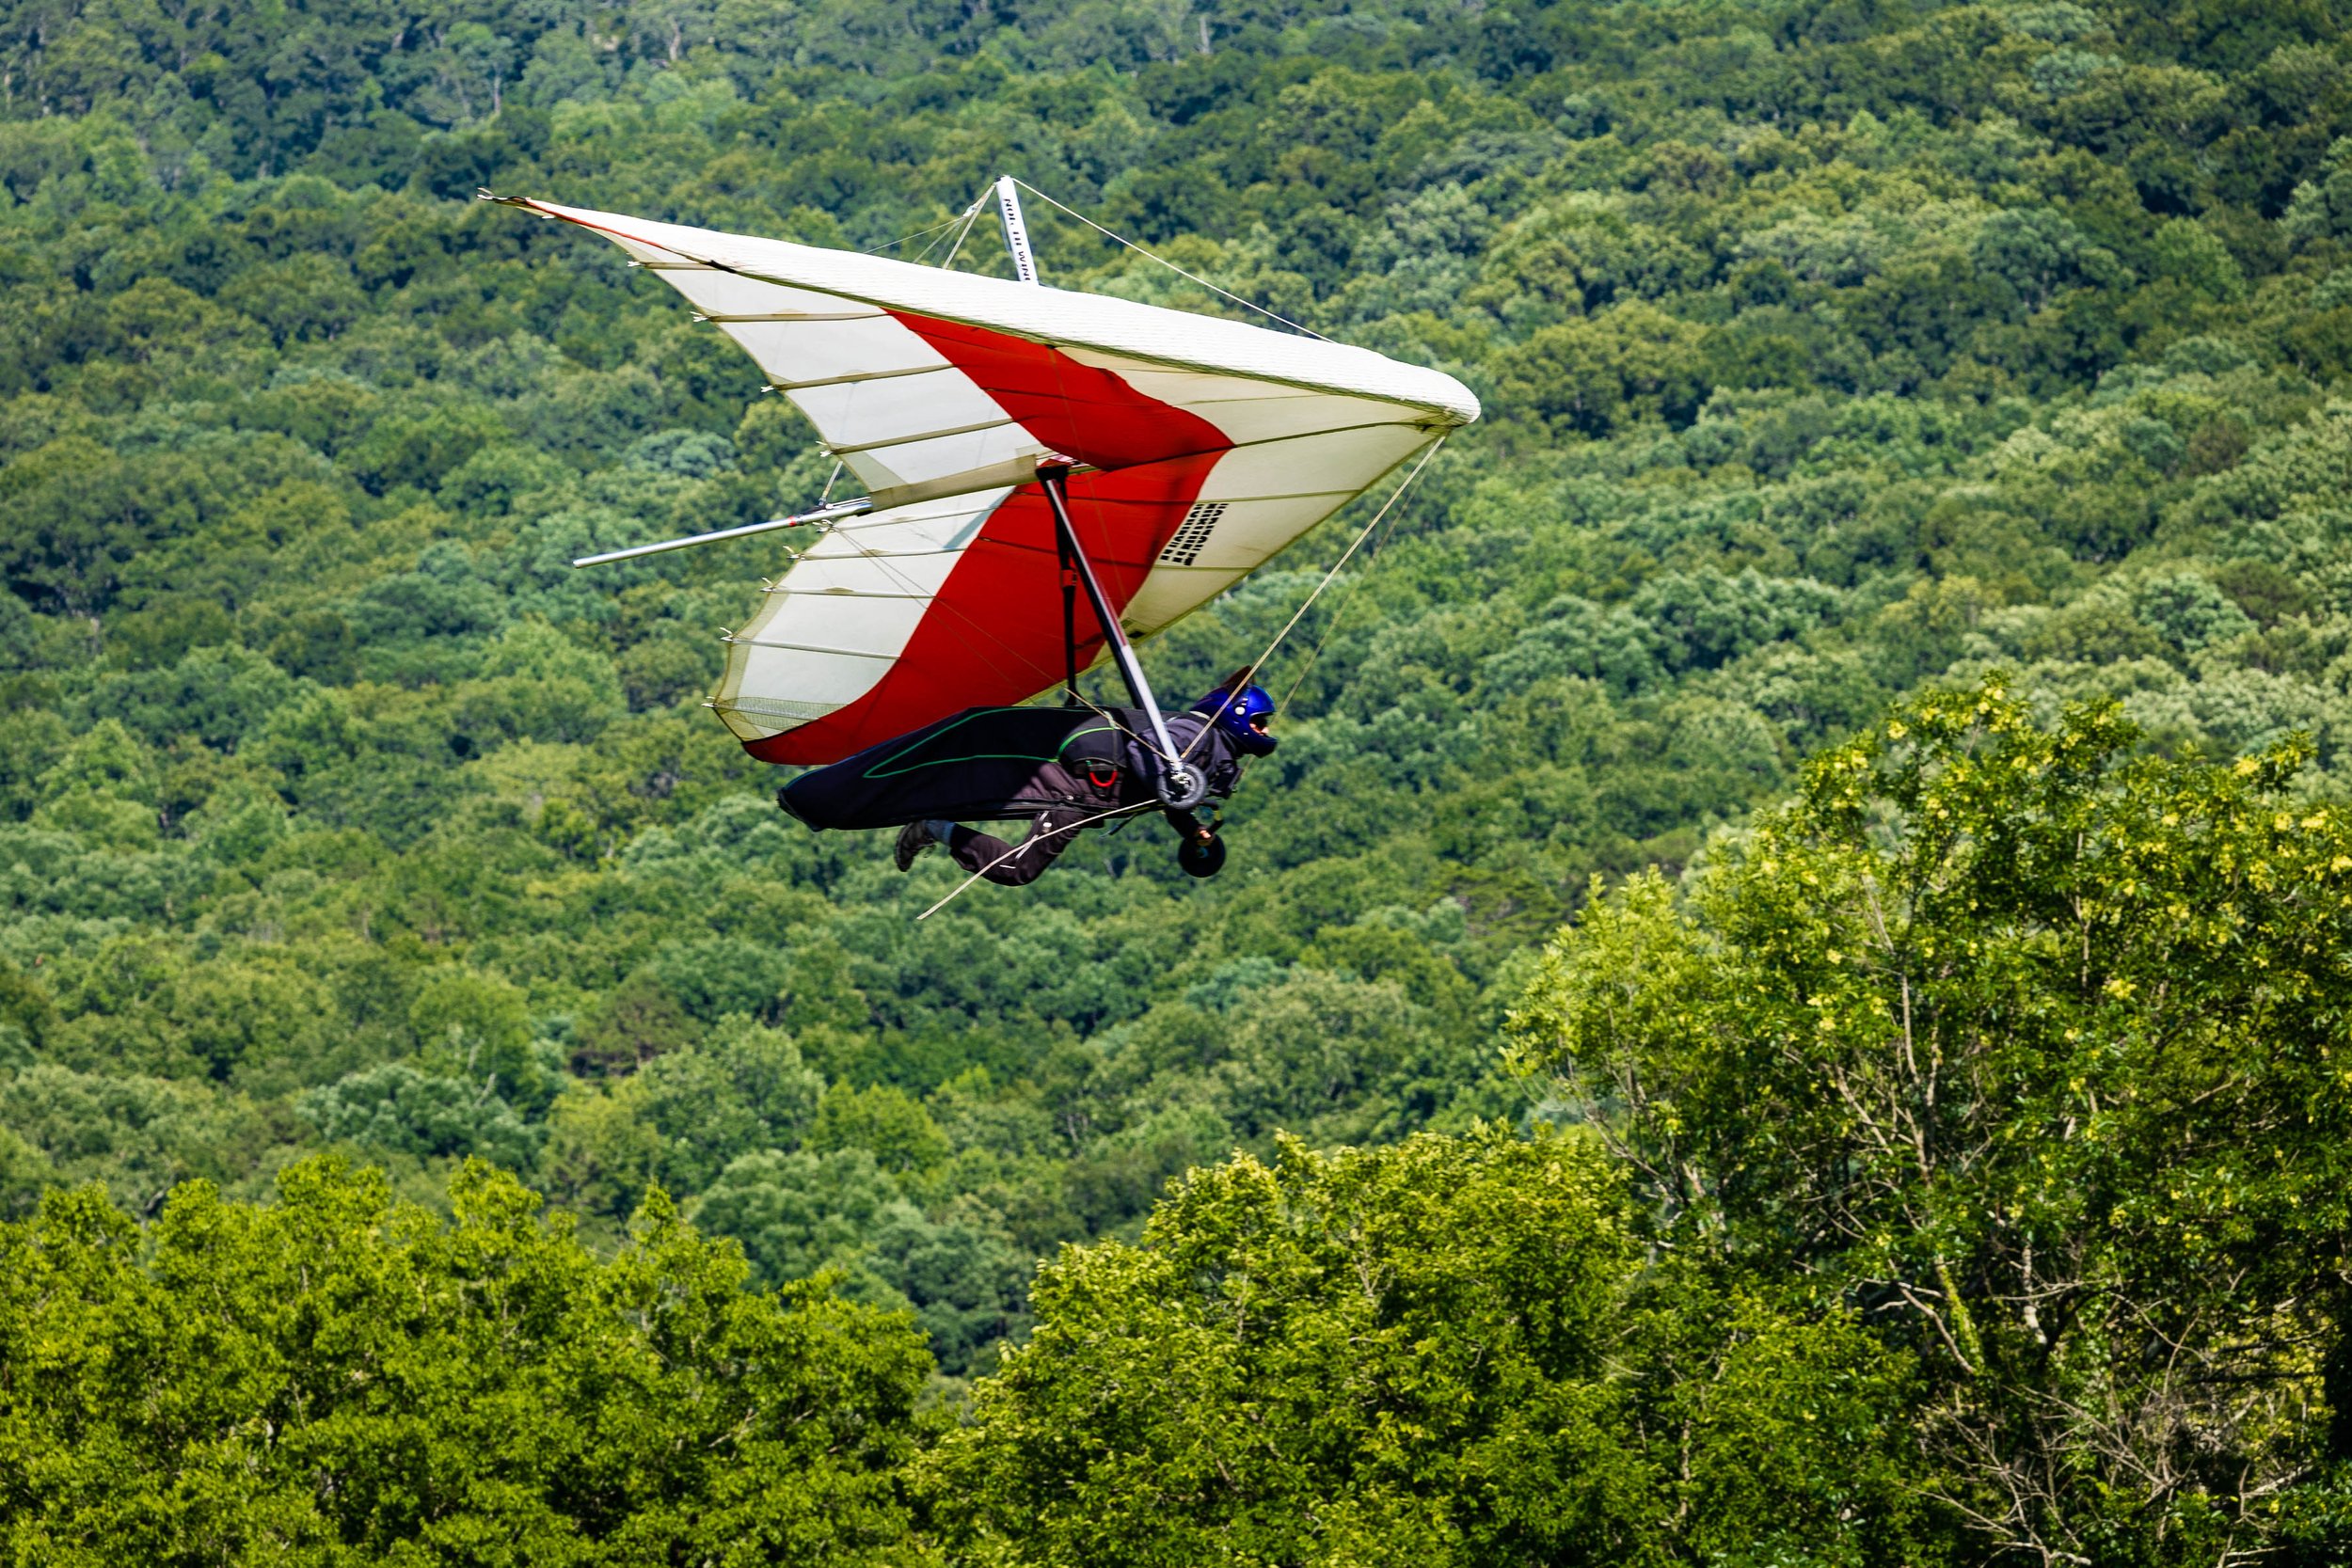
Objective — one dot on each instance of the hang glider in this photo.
(1016, 441)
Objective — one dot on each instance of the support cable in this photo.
(1337, 566)
(971, 217)
(1248, 305)
(1345, 556)
(1068, 828)
(893, 244)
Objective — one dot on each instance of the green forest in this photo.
(1785, 1002)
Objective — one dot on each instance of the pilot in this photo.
(1061, 771)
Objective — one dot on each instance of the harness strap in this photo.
(1069, 622)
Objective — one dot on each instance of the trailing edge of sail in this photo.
(1213, 446)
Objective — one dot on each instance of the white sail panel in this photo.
(1043, 314)
(829, 631)
(1204, 448)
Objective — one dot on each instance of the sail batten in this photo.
(1205, 446)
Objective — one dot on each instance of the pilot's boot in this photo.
(914, 839)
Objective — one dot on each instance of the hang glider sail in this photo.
(1188, 450)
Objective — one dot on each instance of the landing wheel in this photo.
(1183, 788)
(1201, 854)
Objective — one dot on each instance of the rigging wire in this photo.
(968, 217)
(1387, 507)
(971, 217)
(964, 217)
(1068, 828)
(893, 244)
(1338, 614)
(1171, 266)
(1307, 604)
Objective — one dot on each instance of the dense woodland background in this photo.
(1951, 1163)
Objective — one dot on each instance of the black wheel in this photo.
(1201, 856)
(1183, 788)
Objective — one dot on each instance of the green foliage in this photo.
(1827, 351)
(397, 1109)
(1391, 1352)
(342, 1378)
(1789, 1441)
(886, 1121)
(1598, 377)
(1443, 1349)
(2028, 1047)
(795, 1213)
(746, 1089)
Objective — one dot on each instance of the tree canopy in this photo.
(2030, 1049)
(1836, 355)
(339, 1377)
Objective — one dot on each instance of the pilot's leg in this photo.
(1051, 831)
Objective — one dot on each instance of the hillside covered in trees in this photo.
(1930, 1154)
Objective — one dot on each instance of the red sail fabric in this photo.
(1208, 447)
(993, 633)
(1080, 411)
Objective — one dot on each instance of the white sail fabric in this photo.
(1206, 447)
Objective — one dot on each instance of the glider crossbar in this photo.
(823, 514)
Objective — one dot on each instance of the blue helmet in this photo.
(1242, 710)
